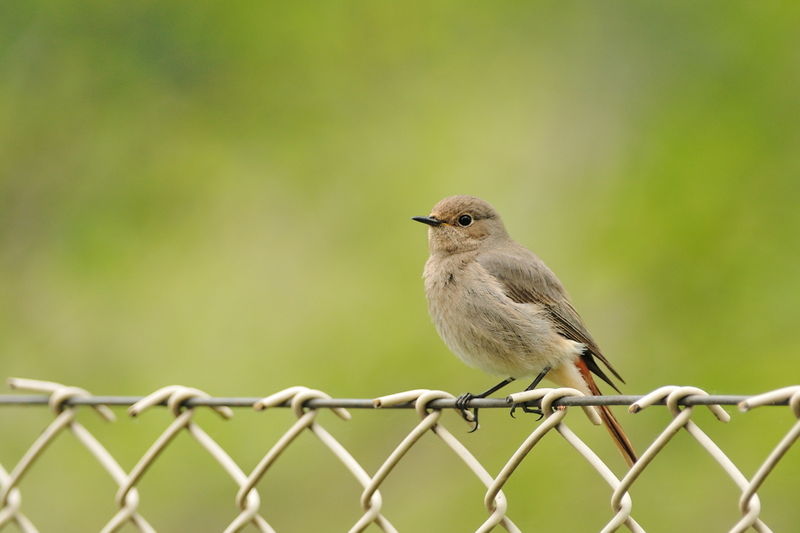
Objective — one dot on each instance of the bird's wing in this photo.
(526, 279)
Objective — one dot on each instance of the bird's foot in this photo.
(526, 408)
(461, 404)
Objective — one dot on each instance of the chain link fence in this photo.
(182, 402)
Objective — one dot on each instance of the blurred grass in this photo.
(219, 196)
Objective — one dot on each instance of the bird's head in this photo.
(462, 224)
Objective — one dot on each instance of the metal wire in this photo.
(65, 401)
(365, 403)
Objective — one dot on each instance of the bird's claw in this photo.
(527, 409)
(463, 400)
(461, 404)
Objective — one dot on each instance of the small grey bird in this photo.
(499, 308)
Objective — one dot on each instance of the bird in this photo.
(499, 308)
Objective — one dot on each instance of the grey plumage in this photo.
(500, 308)
(526, 279)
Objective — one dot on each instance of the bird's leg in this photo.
(525, 407)
(463, 401)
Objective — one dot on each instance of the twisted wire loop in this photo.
(175, 397)
(750, 508)
(497, 505)
(10, 499)
(749, 497)
(554, 421)
(10, 510)
(306, 419)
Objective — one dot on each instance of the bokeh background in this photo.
(219, 196)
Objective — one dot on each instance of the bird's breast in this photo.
(484, 327)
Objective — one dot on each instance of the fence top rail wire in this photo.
(365, 403)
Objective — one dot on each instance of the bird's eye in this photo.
(464, 220)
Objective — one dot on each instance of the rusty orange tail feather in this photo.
(609, 420)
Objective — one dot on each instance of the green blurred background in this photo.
(218, 195)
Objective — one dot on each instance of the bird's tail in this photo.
(609, 420)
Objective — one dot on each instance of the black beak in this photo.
(427, 220)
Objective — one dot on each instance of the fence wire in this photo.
(65, 401)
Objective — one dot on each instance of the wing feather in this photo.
(526, 279)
